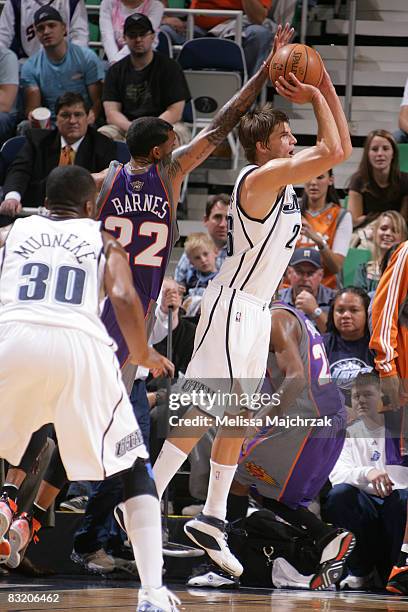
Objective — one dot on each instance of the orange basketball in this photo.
(305, 63)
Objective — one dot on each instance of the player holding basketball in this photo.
(232, 338)
(54, 271)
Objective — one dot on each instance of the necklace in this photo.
(135, 169)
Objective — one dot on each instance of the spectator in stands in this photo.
(202, 253)
(325, 225)
(389, 229)
(257, 30)
(17, 29)
(305, 291)
(60, 66)
(401, 135)
(215, 220)
(8, 94)
(378, 184)
(112, 16)
(369, 495)
(347, 339)
(143, 83)
(72, 141)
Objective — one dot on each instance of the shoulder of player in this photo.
(285, 323)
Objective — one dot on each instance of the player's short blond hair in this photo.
(198, 239)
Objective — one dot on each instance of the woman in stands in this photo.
(325, 225)
(112, 16)
(346, 342)
(378, 185)
(388, 230)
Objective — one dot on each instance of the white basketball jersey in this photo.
(258, 252)
(51, 273)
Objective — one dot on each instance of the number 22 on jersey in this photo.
(149, 256)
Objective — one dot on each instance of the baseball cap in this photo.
(306, 254)
(47, 13)
(138, 22)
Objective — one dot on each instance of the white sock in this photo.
(221, 477)
(143, 526)
(404, 548)
(167, 463)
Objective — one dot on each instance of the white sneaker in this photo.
(209, 533)
(192, 510)
(356, 583)
(157, 600)
(211, 576)
(333, 559)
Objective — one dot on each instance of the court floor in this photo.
(88, 596)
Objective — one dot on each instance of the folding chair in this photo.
(215, 70)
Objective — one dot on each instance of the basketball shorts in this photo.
(292, 464)
(66, 377)
(230, 351)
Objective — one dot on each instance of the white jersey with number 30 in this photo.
(259, 250)
(51, 272)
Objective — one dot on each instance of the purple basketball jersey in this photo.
(138, 212)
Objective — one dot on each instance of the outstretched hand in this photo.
(294, 90)
(283, 37)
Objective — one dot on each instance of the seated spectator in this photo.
(378, 185)
(325, 225)
(369, 494)
(347, 338)
(215, 220)
(202, 253)
(72, 141)
(401, 135)
(60, 66)
(112, 16)
(8, 94)
(257, 30)
(17, 24)
(305, 291)
(388, 230)
(139, 84)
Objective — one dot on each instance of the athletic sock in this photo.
(39, 513)
(143, 526)
(403, 556)
(221, 477)
(170, 459)
(11, 490)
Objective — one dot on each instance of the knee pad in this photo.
(139, 480)
(56, 475)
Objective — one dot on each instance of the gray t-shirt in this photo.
(9, 71)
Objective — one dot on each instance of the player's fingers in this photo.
(294, 81)
(287, 84)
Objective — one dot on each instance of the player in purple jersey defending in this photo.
(284, 459)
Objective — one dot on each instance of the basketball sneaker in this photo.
(398, 580)
(23, 529)
(209, 533)
(333, 558)
(157, 600)
(97, 562)
(208, 575)
(5, 550)
(8, 509)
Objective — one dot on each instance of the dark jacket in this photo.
(28, 173)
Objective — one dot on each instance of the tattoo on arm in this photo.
(173, 168)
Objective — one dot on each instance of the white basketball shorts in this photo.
(230, 348)
(66, 377)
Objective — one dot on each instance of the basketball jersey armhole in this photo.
(239, 207)
(114, 168)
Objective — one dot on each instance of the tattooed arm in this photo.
(187, 158)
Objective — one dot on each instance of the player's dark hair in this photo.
(332, 197)
(356, 291)
(69, 187)
(212, 201)
(256, 126)
(145, 133)
(70, 98)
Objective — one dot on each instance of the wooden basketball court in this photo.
(108, 596)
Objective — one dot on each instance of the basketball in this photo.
(305, 63)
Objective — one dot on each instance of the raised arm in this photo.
(332, 99)
(192, 155)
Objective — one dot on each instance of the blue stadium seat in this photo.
(10, 149)
(122, 152)
(164, 46)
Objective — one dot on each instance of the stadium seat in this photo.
(9, 151)
(164, 46)
(122, 152)
(215, 70)
(354, 258)
(403, 153)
